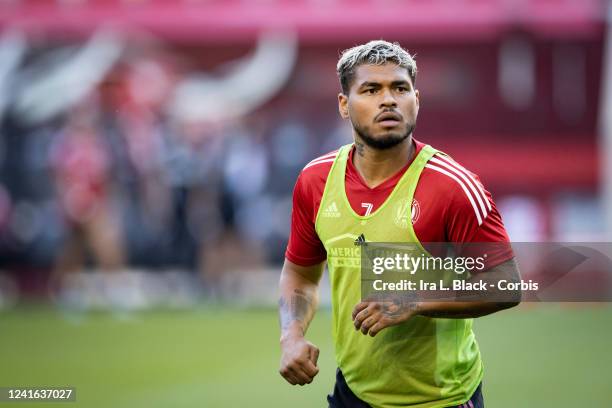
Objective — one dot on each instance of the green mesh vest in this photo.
(424, 362)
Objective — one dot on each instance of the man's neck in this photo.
(375, 166)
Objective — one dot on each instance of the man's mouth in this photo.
(389, 119)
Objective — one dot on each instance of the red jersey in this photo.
(450, 204)
(81, 167)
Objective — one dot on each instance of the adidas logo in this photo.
(331, 211)
(360, 240)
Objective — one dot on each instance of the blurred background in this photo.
(148, 151)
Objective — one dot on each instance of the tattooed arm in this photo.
(372, 316)
(297, 305)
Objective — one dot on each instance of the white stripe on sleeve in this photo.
(468, 182)
(467, 192)
(469, 175)
(315, 162)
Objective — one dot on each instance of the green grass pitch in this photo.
(545, 356)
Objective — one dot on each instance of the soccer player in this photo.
(386, 187)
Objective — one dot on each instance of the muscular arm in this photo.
(297, 305)
(372, 317)
(299, 297)
(484, 303)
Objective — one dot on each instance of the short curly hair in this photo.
(377, 53)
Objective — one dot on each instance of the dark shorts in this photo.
(343, 397)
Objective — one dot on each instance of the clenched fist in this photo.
(299, 360)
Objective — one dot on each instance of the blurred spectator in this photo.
(82, 165)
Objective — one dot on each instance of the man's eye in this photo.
(370, 91)
(402, 89)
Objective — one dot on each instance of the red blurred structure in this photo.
(231, 21)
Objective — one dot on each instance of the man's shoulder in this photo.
(460, 187)
(449, 173)
(311, 182)
(317, 170)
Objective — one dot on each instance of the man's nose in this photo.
(388, 100)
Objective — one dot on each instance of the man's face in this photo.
(382, 104)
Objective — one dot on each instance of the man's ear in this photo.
(418, 98)
(343, 105)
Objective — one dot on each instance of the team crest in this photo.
(401, 213)
(404, 213)
(415, 211)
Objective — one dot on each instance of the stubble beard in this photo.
(384, 142)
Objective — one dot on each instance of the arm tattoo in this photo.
(395, 308)
(296, 308)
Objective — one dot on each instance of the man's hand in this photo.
(372, 316)
(298, 361)
(297, 305)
